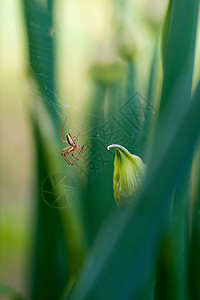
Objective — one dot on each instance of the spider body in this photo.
(70, 140)
(71, 148)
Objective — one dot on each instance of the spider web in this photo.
(92, 127)
(64, 110)
(81, 126)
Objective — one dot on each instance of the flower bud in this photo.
(129, 171)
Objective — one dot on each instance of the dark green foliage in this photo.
(122, 262)
(152, 250)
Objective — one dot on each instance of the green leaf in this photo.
(179, 49)
(165, 32)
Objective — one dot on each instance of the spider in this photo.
(72, 148)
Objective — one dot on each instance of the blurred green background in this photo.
(92, 62)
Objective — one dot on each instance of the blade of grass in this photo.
(97, 205)
(150, 108)
(171, 276)
(54, 236)
(46, 280)
(108, 98)
(194, 246)
(49, 235)
(39, 23)
(178, 48)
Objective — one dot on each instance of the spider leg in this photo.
(62, 130)
(66, 159)
(65, 149)
(78, 156)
